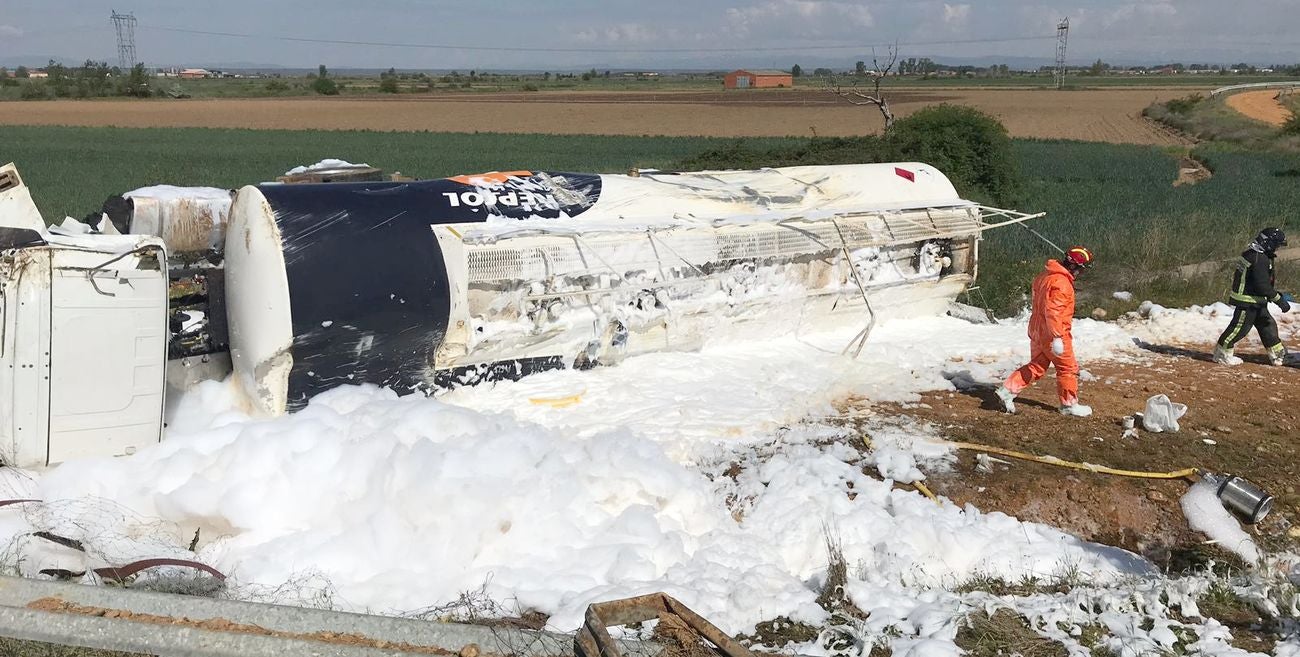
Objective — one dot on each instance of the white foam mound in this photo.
(172, 193)
(1205, 514)
(404, 504)
(327, 163)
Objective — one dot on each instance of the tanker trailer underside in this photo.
(596, 299)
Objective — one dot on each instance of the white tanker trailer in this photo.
(298, 288)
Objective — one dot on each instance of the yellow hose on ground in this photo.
(1186, 473)
(925, 491)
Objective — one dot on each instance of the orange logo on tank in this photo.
(489, 177)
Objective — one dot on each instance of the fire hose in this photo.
(1239, 495)
(1186, 473)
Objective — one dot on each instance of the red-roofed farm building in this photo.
(757, 79)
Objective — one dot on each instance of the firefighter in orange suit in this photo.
(1049, 335)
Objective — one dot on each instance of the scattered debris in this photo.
(1162, 415)
(687, 628)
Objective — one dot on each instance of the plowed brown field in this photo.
(1109, 115)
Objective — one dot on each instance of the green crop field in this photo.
(72, 170)
(1119, 200)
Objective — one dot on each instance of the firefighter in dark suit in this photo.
(1253, 288)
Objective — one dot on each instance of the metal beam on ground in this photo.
(110, 618)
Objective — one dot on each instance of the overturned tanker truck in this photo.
(298, 288)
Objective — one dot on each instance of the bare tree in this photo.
(857, 94)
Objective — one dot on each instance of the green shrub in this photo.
(969, 146)
(530, 87)
(325, 86)
(1185, 104)
(1292, 125)
(136, 83)
(34, 91)
(388, 85)
(277, 86)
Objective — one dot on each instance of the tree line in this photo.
(90, 80)
(923, 66)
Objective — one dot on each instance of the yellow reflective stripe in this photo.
(1246, 297)
(1236, 331)
(1243, 266)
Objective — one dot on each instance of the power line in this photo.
(439, 46)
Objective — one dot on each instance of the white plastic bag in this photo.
(1162, 415)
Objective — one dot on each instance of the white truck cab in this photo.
(83, 338)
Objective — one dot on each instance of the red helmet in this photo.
(1078, 256)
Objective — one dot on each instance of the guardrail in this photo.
(113, 618)
(1256, 85)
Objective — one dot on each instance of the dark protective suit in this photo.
(1252, 290)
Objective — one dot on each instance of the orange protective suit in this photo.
(1051, 317)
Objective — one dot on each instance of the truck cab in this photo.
(83, 338)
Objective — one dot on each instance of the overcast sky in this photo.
(640, 33)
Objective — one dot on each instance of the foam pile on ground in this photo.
(1288, 648)
(697, 404)
(712, 476)
(926, 622)
(372, 493)
(1206, 514)
(1156, 324)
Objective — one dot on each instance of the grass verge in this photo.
(1211, 119)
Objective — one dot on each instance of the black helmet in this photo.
(1271, 239)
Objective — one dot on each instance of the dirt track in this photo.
(1240, 421)
(1261, 106)
(1111, 115)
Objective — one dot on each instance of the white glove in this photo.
(1058, 346)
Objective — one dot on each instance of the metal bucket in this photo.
(1244, 498)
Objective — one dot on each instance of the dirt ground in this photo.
(1261, 106)
(1109, 115)
(1243, 421)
